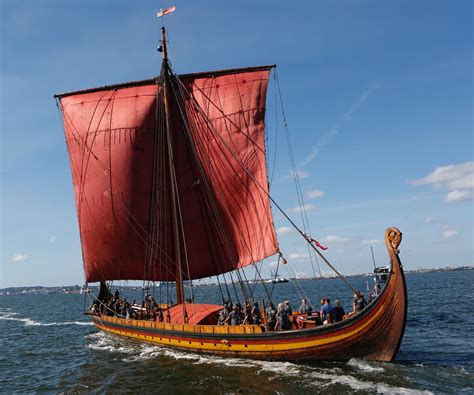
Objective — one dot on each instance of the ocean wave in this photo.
(319, 377)
(326, 377)
(354, 383)
(365, 366)
(134, 351)
(80, 323)
(12, 316)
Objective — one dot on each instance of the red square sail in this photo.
(219, 158)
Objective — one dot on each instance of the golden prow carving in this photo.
(393, 238)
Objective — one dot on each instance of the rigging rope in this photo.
(304, 217)
(186, 94)
(209, 199)
(218, 136)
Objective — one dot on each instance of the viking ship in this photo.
(170, 183)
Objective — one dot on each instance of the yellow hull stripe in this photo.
(250, 347)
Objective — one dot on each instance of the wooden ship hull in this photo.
(374, 334)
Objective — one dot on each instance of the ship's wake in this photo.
(356, 375)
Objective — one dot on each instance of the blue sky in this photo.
(378, 98)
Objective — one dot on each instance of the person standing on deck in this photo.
(271, 316)
(328, 313)
(359, 302)
(247, 314)
(305, 308)
(234, 317)
(223, 315)
(339, 311)
(255, 315)
(283, 321)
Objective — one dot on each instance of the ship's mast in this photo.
(165, 74)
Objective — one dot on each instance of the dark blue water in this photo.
(47, 345)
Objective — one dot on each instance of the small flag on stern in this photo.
(165, 11)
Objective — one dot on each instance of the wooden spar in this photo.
(172, 173)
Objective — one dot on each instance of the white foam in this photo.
(318, 376)
(146, 353)
(134, 352)
(328, 379)
(365, 366)
(30, 322)
(7, 314)
(12, 317)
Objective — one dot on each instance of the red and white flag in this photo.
(316, 243)
(165, 11)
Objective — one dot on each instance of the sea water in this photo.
(47, 345)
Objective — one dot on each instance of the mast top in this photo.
(162, 47)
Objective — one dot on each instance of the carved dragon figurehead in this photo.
(393, 238)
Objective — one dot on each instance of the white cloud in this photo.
(273, 264)
(361, 100)
(457, 179)
(373, 241)
(312, 156)
(52, 239)
(336, 240)
(315, 194)
(306, 207)
(466, 182)
(335, 129)
(428, 220)
(19, 258)
(298, 255)
(447, 174)
(450, 233)
(283, 230)
(323, 140)
(301, 174)
(457, 196)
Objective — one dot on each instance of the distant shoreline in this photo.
(76, 289)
